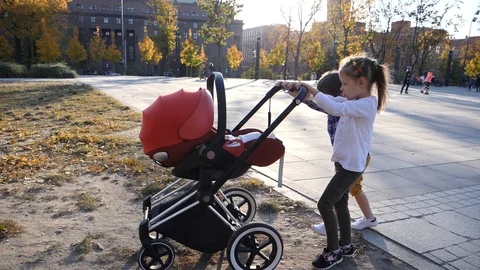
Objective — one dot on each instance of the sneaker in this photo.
(426, 93)
(421, 91)
(363, 223)
(347, 250)
(406, 93)
(319, 228)
(328, 259)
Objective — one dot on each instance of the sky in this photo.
(265, 12)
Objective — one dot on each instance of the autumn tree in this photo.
(276, 57)
(234, 57)
(5, 49)
(22, 20)
(216, 30)
(314, 55)
(112, 54)
(47, 46)
(75, 51)
(305, 16)
(473, 66)
(165, 15)
(148, 52)
(189, 55)
(97, 48)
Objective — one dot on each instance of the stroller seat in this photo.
(176, 125)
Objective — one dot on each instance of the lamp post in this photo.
(468, 38)
(124, 41)
(257, 60)
(449, 64)
(177, 54)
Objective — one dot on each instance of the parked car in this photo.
(168, 73)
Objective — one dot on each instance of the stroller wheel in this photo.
(255, 246)
(166, 256)
(241, 204)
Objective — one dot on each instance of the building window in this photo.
(437, 49)
(155, 32)
(185, 25)
(130, 21)
(130, 34)
(145, 22)
(107, 33)
(119, 21)
(105, 20)
(92, 19)
(105, 8)
(130, 52)
(194, 14)
(194, 35)
(118, 9)
(80, 18)
(185, 35)
(119, 34)
(204, 14)
(130, 9)
(187, 14)
(195, 25)
(155, 23)
(92, 7)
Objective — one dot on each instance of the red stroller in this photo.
(177, 132)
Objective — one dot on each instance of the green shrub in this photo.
(11, 70)
(56, 70)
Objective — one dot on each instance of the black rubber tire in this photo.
(255, 246)
(164, 249)
(245, 208)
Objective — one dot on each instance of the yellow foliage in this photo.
(148, 51)
(97, 48)
(47, 46)
(75, 51)
(234, 57)
(5, 49)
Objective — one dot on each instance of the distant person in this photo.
(428, 82)
(406, 79)
(471, 83)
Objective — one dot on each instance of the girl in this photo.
(357, 108)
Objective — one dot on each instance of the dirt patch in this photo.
(72, 173)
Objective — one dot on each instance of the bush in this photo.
(11, 70)
(56, 70)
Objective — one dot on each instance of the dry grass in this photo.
(9, 228)
(87, 244)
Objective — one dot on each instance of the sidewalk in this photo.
(423, 182)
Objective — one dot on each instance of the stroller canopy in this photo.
(176, 117)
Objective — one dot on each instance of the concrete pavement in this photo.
(423, 182)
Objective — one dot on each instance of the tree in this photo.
(314, 56)
(234, 57)
(165, 14)
(5, 49)
(75, 51)
(264, 63)
(215, 30)
(473, 66)
(148, 52)
(203, 57)
(189, 55)
(47, 45)
(276, 57)
(22, 20)
(303, 23)
(112, 54)
(97, 48)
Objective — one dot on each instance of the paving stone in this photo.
(463, 265)
(400, 208)
(444, 255)
(443, 200)
(400, 215)
(385, 210)
(476, 242)
(414, 213)
(430, 196)
(449, 267)
(399, 201)
(376, 205)
(445, 207)
(473, 260)
(455, 205)
(458, 251)
(388, 202)
(470, 247)
(471, 211)
(433, 258)
(455, 222)
(434, 209)
(465, 202)
(426, 240)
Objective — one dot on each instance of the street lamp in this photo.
(177, 54)
(257, 60)
(469, 32)
(124, 41)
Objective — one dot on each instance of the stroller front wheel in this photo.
(255, 246)
(165, 252)
(241, 204)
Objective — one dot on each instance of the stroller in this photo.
(177, 132)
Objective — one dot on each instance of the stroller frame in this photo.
(204, 193)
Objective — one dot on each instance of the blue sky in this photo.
(262, 12)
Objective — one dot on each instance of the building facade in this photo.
(137, 17)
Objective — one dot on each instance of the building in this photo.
(137, 16)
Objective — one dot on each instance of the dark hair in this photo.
(360, 65)
(330, 83)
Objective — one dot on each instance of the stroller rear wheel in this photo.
(165, 252)
(241, 204)
(255, 246)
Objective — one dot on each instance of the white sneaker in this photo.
(363, 223)
(319, 228)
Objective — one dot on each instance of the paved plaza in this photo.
(424, 178)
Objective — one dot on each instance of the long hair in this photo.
(360, 65)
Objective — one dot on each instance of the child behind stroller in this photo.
(177, 132)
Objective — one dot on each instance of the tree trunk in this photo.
(18, 50)
(219, 56)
